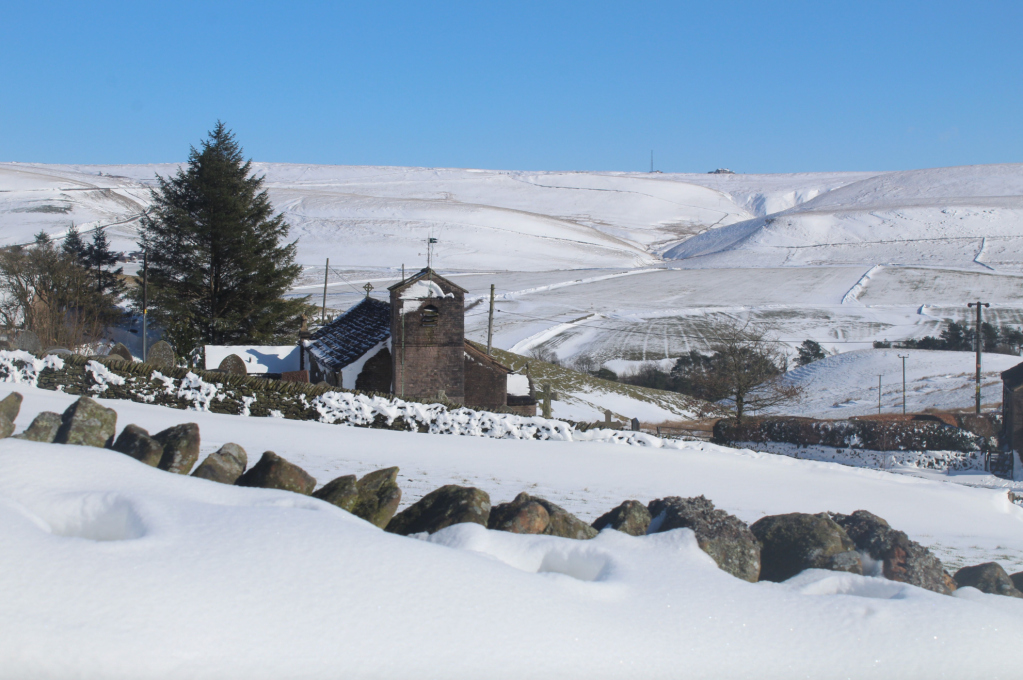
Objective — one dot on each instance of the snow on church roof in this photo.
(352, 334)
(424, 289)
(431, 277)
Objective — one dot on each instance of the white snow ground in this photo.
(115, 569)
(846, 385)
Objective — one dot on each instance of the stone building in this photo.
(1003, 462)
(428, 336)
(414, 346)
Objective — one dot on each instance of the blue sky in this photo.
(753, 86)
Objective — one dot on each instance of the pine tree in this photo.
(98, 258)
(218, 262)
(809, 352)
(73, 245)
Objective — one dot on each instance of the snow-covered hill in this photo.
(846, 385)
(624, 267)
(485, 219)
(970, 217)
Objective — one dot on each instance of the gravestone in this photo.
(162, 354)
(635, 424)
(233, 364)
(121, 351)
(27, 341)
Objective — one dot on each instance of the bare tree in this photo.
(545, 354)
(46, 291)
(746, 366)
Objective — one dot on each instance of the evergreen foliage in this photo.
(809, 352)
(73, 245)
(98, 259)
(959, 337)
(219, 265)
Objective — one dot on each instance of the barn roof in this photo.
(352, 334)
(483, 358)
(1013, 376)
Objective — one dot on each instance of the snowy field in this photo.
(846, 385)
(625, 268)
(115, 569)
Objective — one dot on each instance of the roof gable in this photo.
(351, 335)
(430, 274)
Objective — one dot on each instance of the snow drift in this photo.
(114, 569)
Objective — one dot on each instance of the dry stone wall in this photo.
(216, 392)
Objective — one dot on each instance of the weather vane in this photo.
(429, 251)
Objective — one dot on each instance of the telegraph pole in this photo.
(490, 322)
(323, 312)
(978, 344)
(903, 381)
(879, 394)
(145, 298)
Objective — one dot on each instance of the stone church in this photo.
(414, 346)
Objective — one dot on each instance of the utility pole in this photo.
(903, 381)
(323, 312)
(490, 322)
(879, 394)
(145, 299)
(978, 343)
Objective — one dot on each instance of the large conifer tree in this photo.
(218, 261)
(99, 259)
(73, 245)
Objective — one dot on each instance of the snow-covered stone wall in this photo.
(249, 396)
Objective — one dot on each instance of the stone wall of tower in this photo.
(429, 357)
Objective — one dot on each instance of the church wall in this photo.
(429, 358)
(485, 386)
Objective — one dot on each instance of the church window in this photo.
(430, 315)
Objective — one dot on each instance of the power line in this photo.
(341, 276)
(87, 231)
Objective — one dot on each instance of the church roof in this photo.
(427, 273)
(352, 334)
(483, 358)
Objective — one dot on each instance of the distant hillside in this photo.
(381, 216)
(584, 398)
(969, 216)
(846, 385)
